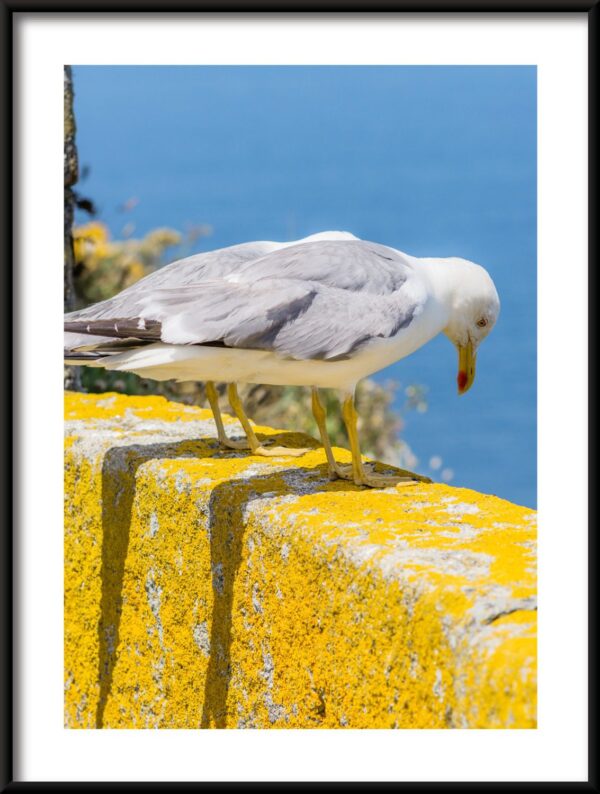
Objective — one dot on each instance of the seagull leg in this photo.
(359, 474)
(320, 414)
(255, 446)
(213, 399)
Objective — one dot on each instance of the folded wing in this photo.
(320, 300)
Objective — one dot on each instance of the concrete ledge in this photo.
(213, 589)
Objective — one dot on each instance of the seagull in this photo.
(323, 312)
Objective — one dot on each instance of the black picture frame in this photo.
(9, 404)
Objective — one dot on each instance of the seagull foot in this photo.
(374, 480)
(229, 443)
(340, 472)
(278, 452)
(401, 478)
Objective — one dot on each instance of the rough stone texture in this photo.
(206, 588)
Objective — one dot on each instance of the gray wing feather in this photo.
(337, 324)
(239, 315)
(128, 303)
(296, 319)
(73, 341)
(321, 299)
(193, 269)
(351, 265)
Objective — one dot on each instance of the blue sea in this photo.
(435, 161)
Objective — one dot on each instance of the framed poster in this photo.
(539, 60)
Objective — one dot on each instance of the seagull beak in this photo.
(466, 367)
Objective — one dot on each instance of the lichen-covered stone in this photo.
(210, 588)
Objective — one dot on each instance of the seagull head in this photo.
(474, 308)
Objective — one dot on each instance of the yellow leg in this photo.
(359, 474)
(213, 400)
(320, 414)
(254, 444)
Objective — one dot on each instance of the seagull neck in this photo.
(443, 281)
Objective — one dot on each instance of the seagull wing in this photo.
(338, 323)
(321, 300)
(191, 270)
(351, 265)
(127, 305)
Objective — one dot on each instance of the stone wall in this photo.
(209, 588)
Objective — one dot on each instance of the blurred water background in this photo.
(435, 161)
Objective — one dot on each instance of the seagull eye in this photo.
(482, 322)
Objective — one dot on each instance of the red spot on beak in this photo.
(462, 379)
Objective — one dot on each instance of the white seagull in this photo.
(324, 312)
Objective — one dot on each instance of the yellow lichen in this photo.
(210, 588)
